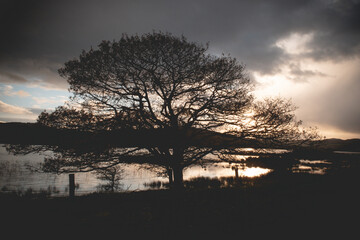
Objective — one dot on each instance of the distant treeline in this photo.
(36, 134)
(341, 145)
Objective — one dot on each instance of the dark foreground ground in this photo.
(287, 206)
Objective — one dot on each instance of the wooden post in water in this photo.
(71, 185)
(236, 168)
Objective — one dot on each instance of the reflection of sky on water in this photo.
(309, 169)
(16, 176)
(312, 167)
(222, 170)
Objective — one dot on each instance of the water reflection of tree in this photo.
(105, 161)
(90, 157)
(211, 182)
(9, 168)
(113, 176)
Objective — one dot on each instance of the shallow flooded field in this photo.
(20, 173)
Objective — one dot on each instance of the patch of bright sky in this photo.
(332, 132)
(279, 84)
(31, 97)
(295, 43)
(312, 92)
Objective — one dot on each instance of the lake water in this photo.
(15, 175)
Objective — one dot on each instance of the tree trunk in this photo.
(177, 167)
(170, 174)
(177, 173)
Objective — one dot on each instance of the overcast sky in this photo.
(305, 50)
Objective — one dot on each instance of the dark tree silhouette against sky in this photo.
(161, 82)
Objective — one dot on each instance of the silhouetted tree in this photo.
(112, 176)
(159, 81)
(68, 118)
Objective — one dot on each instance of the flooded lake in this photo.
(17, 174)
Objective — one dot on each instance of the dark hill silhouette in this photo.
(341, 145)
(36, 134)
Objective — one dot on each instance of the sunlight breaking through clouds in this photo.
(295, 43)
(320, 97)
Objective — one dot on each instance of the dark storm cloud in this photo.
(248, 30)
(337, 29)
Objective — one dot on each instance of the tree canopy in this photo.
(165, 81)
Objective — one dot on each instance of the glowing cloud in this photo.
(295, 43)
(7, 108)
(7, 90)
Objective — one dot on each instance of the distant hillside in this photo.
(32, 133)
(352, 145)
